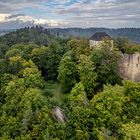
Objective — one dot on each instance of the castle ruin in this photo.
(129, 64)
(129, 67)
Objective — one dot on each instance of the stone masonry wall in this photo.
(129, 67)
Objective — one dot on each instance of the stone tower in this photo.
(97, 39)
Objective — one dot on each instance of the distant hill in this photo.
(39, 35)
(6, 31)
(130, 33)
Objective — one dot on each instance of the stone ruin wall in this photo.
(129, 67)
(129, 64)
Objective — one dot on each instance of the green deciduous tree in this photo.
(77, 96)
(87, 74)
(3, 49)
(80, 125)
(48, 59)
(130, 131)
(126, 46)
(68, 73)
(81, 46)
(132, 106)
(105, 60)
(108, 108)
(24, 113)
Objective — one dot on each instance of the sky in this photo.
(69, 13)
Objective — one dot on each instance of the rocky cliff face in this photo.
(129, 67)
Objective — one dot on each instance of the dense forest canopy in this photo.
(41, 72)
(130, 33)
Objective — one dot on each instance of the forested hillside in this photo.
(37, 35)
(130, 33)
(57, 89)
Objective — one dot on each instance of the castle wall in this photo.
(129, 64)
(129, 67)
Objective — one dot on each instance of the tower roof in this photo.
(98, 36)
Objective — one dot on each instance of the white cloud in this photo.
(22, 19)
(3, 17)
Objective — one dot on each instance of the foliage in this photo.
(87, 74)
(81, 46)
(24, 110)
(126, 46)
(48, 59)
(80, 125)
(131, 131)
(106, 67)
(77, 96)
(3, 49)
(67, 73)
(132, 106)
(108, 108)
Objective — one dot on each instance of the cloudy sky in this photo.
(69, 13)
